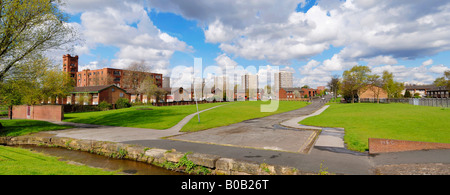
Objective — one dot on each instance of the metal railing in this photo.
(434, 102)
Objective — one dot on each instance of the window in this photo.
(112, 89)
(121, 95)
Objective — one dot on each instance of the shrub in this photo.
(104, 105)
(122, 103)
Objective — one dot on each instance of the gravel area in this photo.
(414, 169)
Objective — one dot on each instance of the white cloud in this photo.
(127, 26)
(377, 31)
(380, 60)
(224, 61)
(427, 63)
(439, 69)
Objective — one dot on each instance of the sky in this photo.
(314, 39)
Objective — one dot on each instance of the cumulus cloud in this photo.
(224, 61)
(127, 26)
(380, 31)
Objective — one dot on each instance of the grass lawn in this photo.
(140, 117)
(236, 112)
(389, 121)
(22, 127)
(17, 161)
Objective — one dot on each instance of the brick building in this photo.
(294, 93)
(106, 76)
(93, 95)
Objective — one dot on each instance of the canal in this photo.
(98, 161)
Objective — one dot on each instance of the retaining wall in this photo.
(160, 157)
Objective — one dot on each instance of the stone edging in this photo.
(215, 165)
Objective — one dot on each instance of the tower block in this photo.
(70, 65)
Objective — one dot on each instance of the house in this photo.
(93, 95)
(420, 89)
(438, 92)
(373, 92)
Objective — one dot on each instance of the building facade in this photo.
(284, 79)
(107, 76)
(438, 92)
(93, 95)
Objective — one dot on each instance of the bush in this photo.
(122, 103)
(104, 106)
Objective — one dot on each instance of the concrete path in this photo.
(121, 134)
(261, 133)
(328, 137)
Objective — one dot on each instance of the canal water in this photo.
(98, 161)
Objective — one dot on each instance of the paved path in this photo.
(121, 134)
(261, 133)
(328, 137)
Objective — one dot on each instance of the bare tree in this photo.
(334, 85)
(375, 85)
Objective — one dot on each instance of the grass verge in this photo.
(388, 121)
(22, 127)
(17, 161)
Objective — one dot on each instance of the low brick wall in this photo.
(38, 112)
(388, 145)
(159, 157)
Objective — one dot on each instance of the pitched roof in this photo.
(427, 87)
(94, 89)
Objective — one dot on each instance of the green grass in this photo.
(22, 127)
(389, 121)
(17, 161)
(236, 112)
(140, 117)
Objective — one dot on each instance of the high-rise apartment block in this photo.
(284, 79)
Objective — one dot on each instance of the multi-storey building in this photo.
(126, 79)
(284, 79)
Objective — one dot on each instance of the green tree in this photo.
(443, 81)
(407, 94)
(354, 81)
(392, 88)
(30, 27)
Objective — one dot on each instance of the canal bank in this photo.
(189, 162)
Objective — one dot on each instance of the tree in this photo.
(392, 88)
(375, 85)
(305, 87)
(30, 27)
(354, 81)
(34, 80)
(334, 85)
(443, 81)
(149, 88)
(407, 94)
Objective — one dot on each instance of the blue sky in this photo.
(313, 39)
